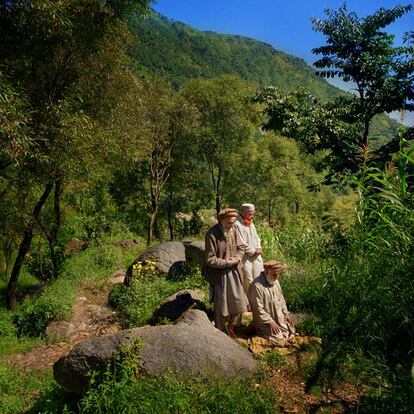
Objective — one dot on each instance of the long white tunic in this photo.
(250, 240)
(268, 304)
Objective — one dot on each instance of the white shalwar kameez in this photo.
(251, 266)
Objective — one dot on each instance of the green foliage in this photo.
(328, 128)
(138, 302)
(226, 121)
(359, 50)
(91, 267)
(179, 53)
(37, 392)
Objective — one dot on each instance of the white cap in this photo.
(247, 206)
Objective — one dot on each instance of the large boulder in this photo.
(170, 258)
(175, 305)
(165, 256)
(191, 347)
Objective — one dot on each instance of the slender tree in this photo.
(359, 51)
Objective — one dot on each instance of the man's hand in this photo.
(289, 320)
(274, 329)
(233, 261)
(258, 251)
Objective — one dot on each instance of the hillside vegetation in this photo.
(179, 52)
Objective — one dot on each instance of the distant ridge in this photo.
(179, 52)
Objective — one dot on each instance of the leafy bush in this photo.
(138, 302)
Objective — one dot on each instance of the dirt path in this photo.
(91, 317)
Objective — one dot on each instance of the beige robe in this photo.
(226, 288)
(251, 266)
(268, 304)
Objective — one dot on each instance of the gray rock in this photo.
(175, 305)
(195, 253)
(165, 256)
(191, 347)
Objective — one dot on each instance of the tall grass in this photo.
(369, 308)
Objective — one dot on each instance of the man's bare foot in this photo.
(231, 332)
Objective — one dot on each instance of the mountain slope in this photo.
(178, 52)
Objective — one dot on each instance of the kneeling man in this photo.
(270, 315)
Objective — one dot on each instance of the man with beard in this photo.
(223, 256)
(252, 263)
(271, 317)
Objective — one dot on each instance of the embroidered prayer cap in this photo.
(227, 212)
(274, 264)
(247, 206)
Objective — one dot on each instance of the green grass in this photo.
(90, 268)
(21, 391)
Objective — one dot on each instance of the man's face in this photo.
(228, 222)
(273, 273)
(248, 214)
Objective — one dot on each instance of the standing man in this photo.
(271, 317)
(252, 263)
(223, 256)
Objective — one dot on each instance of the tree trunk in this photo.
(217, 190)
(153, 216)
(7, 253)
(170, 213)
(24, 247)
(56, 227)
(365, 141)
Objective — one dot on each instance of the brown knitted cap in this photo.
(227, 212)
(274, 264)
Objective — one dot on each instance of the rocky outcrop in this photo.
(191, 347)
(170, 258)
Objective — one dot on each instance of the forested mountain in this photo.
(179, 52)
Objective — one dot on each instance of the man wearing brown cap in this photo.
(271, 317)
(223, 255)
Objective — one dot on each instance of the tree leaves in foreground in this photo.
(46, 53)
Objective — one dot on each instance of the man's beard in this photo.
(270, 280)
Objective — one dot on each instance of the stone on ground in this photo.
(191, 347)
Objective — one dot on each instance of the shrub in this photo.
(138, 302)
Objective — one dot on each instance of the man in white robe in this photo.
(271, 317)
(252, 263)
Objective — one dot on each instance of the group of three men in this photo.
(240, 281)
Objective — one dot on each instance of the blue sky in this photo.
(285, 25)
